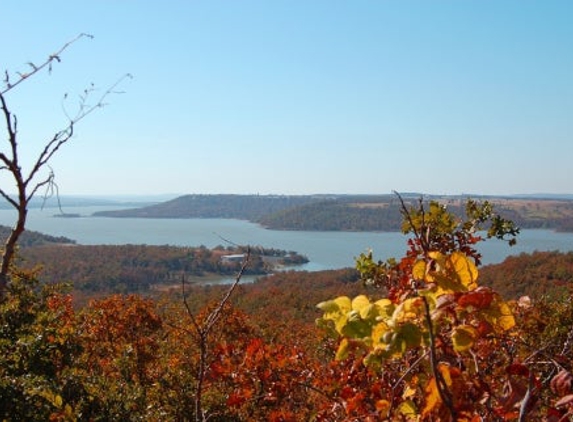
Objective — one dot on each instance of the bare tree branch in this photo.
(8, 85)
(202, 332)
(28, 185)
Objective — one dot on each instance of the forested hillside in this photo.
(98, 269)
(367, 214)
(243, 207)
(344, 212)
(538, 275)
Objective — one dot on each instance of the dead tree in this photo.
(28, 182)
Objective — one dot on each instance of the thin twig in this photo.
(403, 376)
(202, 332)
(441, 385)
(418, 235)
(35, 69)
(214, 316)
(26, 185)
(525, 402)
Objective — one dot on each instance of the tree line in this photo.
(342, 212)
(138, 268)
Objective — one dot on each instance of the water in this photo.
(325, 250)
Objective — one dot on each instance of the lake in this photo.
(325, 250)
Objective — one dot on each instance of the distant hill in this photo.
(345, 212)
(243, 207)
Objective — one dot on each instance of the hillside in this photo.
(243, 207)
(32, 238)
(141, 268)
(538, 275)
(345, 212)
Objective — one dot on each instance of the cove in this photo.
(325, 250)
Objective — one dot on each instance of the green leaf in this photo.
(355, 329)
(328, 306)
(464, 337)
(385, 308)
(342, 351)
(340, 304)
(407, 408)
(411, 334)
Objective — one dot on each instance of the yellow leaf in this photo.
(344, 303)
(419, 270)
(385, 308)
(369, 312)
(499, 315)
(340, 322)
(464, 337)
(407, 408)
(465, 269)
(439, 259)
(359, 303)
(342, 352)
(409, 391)
(408, 310)
(506, 321)
(328, 306)
(433, 399)
(379, 331)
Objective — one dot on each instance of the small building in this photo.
(238, 257)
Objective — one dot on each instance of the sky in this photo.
(298, 97)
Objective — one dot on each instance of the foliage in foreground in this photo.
(437, 346)
(444, 347)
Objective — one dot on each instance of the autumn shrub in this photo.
(420, 339)
(441, 347)
(38, 348)
(119, 364)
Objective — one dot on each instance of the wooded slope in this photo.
(344, 212)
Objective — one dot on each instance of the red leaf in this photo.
(479, 298)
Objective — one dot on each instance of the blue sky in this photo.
(301, 97)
